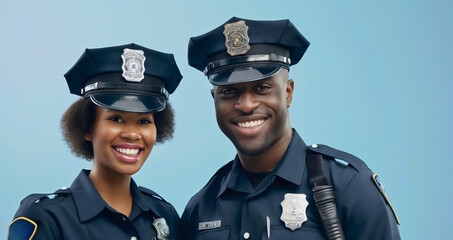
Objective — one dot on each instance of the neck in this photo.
(268, 159)
(114, 189)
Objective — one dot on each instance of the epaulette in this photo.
(38, 197)
(354, 161)
(151, 193)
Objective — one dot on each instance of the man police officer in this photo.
(266, 192)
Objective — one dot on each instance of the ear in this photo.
(289, 92)
(89, 136)
(212, 93)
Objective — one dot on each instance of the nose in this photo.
(131, 132)
(247, 102)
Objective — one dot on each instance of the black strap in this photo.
(324, 196)
(315, 167)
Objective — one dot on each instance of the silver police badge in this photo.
(162, 229)
(293, 214)
(236, 38)
(133, 65)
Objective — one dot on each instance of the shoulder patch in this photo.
(382, 190)
(22, 228)
(332, 152)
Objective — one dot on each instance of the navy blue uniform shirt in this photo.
(79, 212)
(228, 207)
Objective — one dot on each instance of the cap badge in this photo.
(236, 38)
(162, 229)
(293, 214)
(133, 65)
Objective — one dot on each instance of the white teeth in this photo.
(250, 123)
(128, 151)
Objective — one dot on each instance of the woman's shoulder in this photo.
(45, 201)
(37, 210)
(154, 197)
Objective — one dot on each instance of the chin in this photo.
(250, 149)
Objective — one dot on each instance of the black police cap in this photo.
(243, 50)
(127, 78)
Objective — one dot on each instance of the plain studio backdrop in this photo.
(376, 82)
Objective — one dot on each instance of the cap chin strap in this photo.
(271, 57)
(125, 86)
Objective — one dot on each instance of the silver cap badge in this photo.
(293, 214)
(133, 65)
(236, 38)
(162, 229)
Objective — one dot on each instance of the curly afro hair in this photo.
(79, 119)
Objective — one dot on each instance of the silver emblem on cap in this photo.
(162, 229)
(293, 214)
(133, 65)
(236, 38)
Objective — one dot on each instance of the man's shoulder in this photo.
(343, 169)
(339, 156)
(212, 187)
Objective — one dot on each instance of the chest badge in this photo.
(293, 213)
(133, 65)
(236, 38)
(162, 229)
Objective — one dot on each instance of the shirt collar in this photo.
(291, 168)
(89, 202)
(293, 164)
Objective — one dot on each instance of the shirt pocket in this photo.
(213, 234)
(279, 233)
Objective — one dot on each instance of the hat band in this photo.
(116, 85)
(271, 57)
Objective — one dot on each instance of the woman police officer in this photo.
(123, 113)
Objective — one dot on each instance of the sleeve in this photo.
(32, 222)
(366, 214)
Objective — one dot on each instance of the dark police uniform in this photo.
(127, 78)
(79, 212)
(241, 211)
(279, 206)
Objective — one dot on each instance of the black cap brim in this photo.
(129, 102)
(236, 75)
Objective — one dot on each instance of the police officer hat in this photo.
(243, 50)
(127, 78)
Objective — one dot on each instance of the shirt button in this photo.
(314, 145)
(124, 219)
(246, 235)
(133, 238)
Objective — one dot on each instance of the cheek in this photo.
(149, 135)
(222, 108)
(102, 134)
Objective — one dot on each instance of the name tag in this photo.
(209, 225)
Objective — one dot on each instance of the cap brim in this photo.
(129, 103)
(242, 74)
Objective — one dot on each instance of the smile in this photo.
(250, 124)
(128, 151)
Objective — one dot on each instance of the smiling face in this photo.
(122, 141)
(254, 115)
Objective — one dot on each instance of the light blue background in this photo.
(376, 81)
